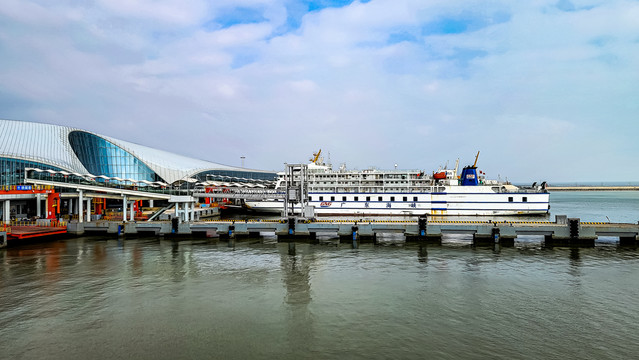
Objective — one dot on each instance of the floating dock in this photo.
(26, 232)
(21, 230)
(563, 231)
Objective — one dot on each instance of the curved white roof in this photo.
(44, 143)
(49, 144)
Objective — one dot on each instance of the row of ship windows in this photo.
(392, 198)
(365, 176)
(354, 182)
(356, 198)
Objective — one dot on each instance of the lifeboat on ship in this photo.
(439, 175)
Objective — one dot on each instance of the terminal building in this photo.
(76, 151)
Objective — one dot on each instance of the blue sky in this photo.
(547, 90)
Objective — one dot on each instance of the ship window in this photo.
(332, 198)
(510, 199)
(414, 198)
(356, 198)
(368, 198)
(343, 198)
(310, 198)
(321, 198)
(379, 198)
(392, 198)
(525, 199)
(405, 198)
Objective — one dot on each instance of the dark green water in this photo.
(147, 298)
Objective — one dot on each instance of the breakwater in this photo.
(592, 188)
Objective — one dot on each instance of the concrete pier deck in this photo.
(563, 231)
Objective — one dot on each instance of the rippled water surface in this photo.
(157, 299)
(151, 298)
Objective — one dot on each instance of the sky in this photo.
(545, 90)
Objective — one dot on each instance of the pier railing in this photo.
(38, 223)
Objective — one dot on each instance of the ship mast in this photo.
(315, 156)
(476, 157)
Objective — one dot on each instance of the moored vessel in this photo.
(374, 192)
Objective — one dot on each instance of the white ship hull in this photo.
(461, 201)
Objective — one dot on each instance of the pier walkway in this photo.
(563, 231)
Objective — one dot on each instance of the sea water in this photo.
(151, 298)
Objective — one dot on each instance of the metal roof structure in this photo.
(50, 144)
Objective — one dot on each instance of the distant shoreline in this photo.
(592, 188)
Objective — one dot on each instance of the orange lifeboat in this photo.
(440, 175)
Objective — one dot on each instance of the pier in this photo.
(563, 231)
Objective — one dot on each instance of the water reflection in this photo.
(296, 278)
(422, 254)
(575, 259)
(575, 269)
(136, 260)
(257, 301)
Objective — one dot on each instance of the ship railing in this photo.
(520, 190)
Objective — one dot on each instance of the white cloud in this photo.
(529, 84)
(170, 11)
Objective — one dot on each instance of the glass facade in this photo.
(12, 170)
(101, 157)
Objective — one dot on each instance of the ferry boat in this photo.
(411, 193)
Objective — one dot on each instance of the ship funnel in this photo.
(469, 176)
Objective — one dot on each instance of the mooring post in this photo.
(232, 230)
(291, 225)
(495, 233)
(422, 222)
